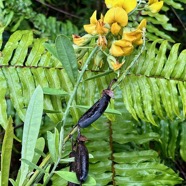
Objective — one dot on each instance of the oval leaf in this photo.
(67, 57)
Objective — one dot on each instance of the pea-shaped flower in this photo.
(96, 26)
(117, 18)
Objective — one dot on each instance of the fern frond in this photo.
(156, 84)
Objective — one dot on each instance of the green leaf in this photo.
(3, 105)
(53, 91)
(67, 57)
(32, 165)
(71, 177)
(40, 145)
(31, 130)
(183, 141)
(6, 153)
(136, 156)
(51, 48)
(53, 144)
(145, 174)
(99, 75)
(139, 139)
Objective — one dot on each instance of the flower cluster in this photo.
(114, 35)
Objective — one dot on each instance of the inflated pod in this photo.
(97, 109)
(82, 160)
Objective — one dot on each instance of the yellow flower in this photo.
(113, 63)
(81, 41)
(155, 5)
(116, 66)
(117, 17)
(121, 48)
(127, 5)
(135, 37)
(96, 26)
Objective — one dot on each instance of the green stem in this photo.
(36, 173)
(62, 142)
(124, 74)
(77, 84)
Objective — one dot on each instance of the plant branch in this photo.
(63, 141)
(124, 74)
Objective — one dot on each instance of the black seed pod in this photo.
(73, 164)
(82, 160)
(97, 109)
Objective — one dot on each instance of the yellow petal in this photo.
(123, 43)
(115, 28)
(116, 14)
(100, 27)
(128, 50)
(109, 3)
(117, 65)
(121, 48)
(114, 3)
(81, 41)
(116, 51)
(93, 18)
(129, 5)
(139, 42)
(90, 29)
(142, 24)
(152, 1)
(156, 7)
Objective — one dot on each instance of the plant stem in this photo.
(36, 173)
(76, 85)
(62, 142)
(124, 74)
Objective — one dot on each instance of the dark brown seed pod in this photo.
(97, 109)
(73, 164)
(82, 160)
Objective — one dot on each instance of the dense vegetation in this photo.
(47, 84)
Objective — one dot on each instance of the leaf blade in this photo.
(67, 57)
(31, 130)
(6, 153)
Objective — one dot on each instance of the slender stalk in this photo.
(36, 173)
(77, 84)
(62, 142)
(124, 74)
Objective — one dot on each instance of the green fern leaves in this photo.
(157, 84)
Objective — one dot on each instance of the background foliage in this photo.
(128, 147)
